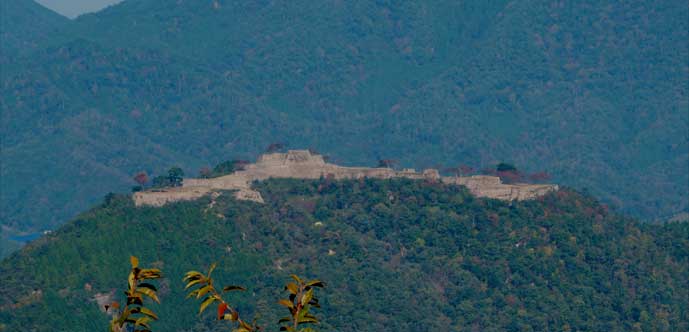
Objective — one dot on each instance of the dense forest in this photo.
(396, 255)
(592, 92)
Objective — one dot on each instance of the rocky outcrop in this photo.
(302, 164)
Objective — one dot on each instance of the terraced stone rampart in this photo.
(302, 164)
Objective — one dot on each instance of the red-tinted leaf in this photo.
(221, 310)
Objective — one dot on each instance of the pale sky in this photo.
(74, 8)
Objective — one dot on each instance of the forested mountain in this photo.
(397, 255)
(25, 26)
(595, 93)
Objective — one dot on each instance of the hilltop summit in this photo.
(397, 255)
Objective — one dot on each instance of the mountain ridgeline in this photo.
(592, 92)
(396, 255)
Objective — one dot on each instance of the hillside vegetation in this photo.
(26, 26)
(594, 93)
(397, 255)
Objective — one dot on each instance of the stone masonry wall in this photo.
(304, 165)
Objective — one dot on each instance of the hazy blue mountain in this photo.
(24, 26)
(594, 93)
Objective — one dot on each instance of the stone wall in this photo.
(304, 165)
(162, 197)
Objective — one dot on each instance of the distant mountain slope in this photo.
(24, 26)
(599, 94)
(97, 115)
(593, 92)
(397, 255)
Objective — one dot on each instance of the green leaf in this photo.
(149, 293)
(145, 311)
(303, 313)
(150, 274)
(203, 291)
(142, 321)
(131, 279)
(192, 293)
(292, 288)
(149, 286)
(306, 298)
(315, 283)
(193, 282)
(314, 303)
(296, 278)
(206, 303)
(233, 288)
(192, 275)
(286, 303)
(305, 320)
(134, 261)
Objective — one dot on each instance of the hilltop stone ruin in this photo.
(302, 164)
